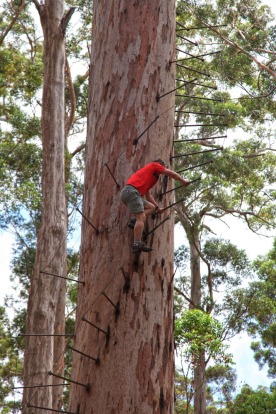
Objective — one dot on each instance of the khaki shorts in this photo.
(131, 197)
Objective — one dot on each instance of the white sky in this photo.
(247, 369)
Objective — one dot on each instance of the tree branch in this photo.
(209, 277)
(240, 315)
(241, 213)
(84, 77)
(71, 117)
(37, 5)
(13, 21)
(65, 20)
(233, 44)
(253, 155)
(264, 50)
(258, 153)
(29, 39)
(77, 150)
(187, 299)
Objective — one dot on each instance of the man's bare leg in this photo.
(138, 245)
(140, 221)
(139, 225)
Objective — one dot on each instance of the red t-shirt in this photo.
(146, 177)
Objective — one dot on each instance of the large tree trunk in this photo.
(46, 306)
(133, 43)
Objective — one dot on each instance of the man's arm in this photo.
(175, 175)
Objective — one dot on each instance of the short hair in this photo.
(160, 161)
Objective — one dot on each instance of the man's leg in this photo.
(149, 208)
(139, 208)
(139, 225)
(140, 220)
(138, 245)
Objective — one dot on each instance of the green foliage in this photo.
(262, 311)
(228, 263)
(236, 182)
(20, 168)
(10, 364)
(20, 77)
(183, 394)
(247, 24)
(73, 268)
(249, 401)
(197, 333)
(253, 308)
(228, 266)
(22, 268)
(181, 256)
(221, 384)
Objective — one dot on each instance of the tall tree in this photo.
(133, 43)
(46, 304)
(221, 383)
(21, 77)
(226, 267)
(209, 200)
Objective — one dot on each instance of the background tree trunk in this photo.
(46, 306)
(195, 271)
(133, 43)
(199, 367)
(192, 232)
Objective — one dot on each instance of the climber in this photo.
(138, 186)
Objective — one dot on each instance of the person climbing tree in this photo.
(139, 185)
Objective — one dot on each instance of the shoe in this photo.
(145, 248)
(131, 223)
(140, 247)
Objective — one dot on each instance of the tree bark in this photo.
(46, 305)
(195, 271)
(133, 44)
(199, 368)
(200, 386)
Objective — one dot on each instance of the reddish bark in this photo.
(133, 43)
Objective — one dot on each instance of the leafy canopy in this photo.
(198, 333)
